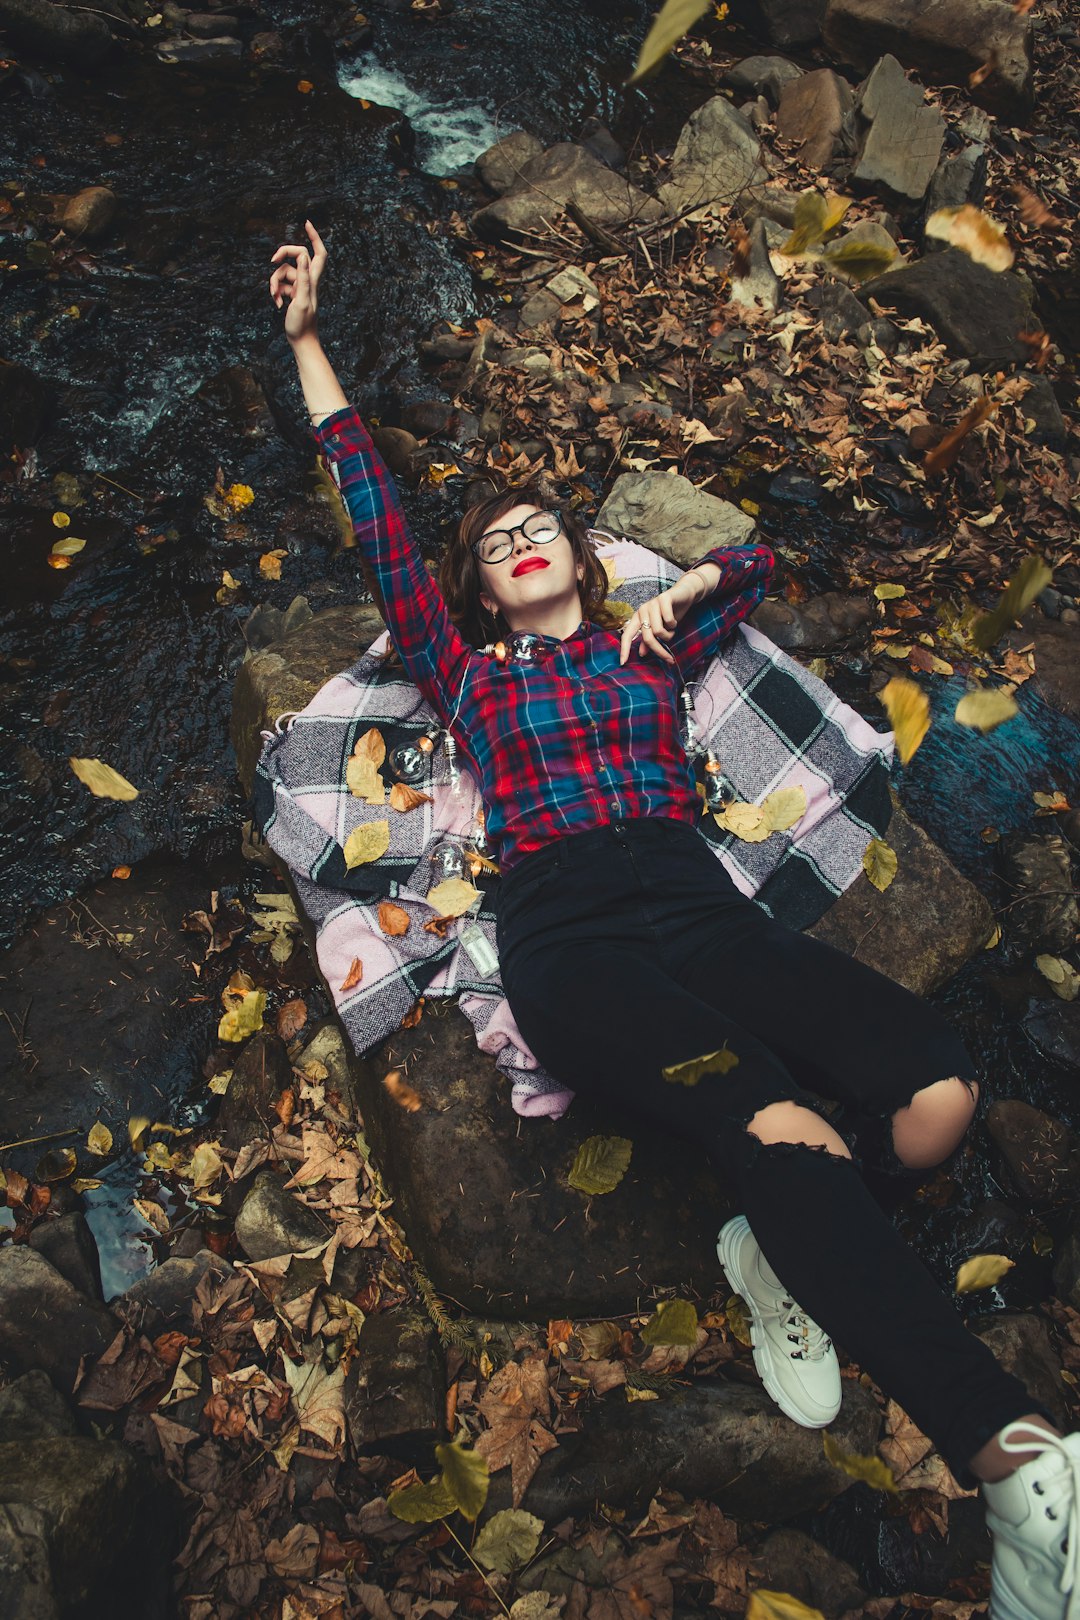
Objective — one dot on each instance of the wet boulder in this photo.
(722, 1440)
(551, 181)
(287, 675)
(164, 1296)
(499, 168)
(1021, 1343)
(80, 39)
(25, 402)
(260, 1075)
(926, 924)
(274, 1221)
(1053, 1028)
(84, 1529)
(395, 1391)
(1045, 915)
(45, 1322)
(814, 626)
(1040, 1153)
(771, 74)
(67, 1243)
(978, 313)
(87, 216)
(31, 1408)
(945, 43)
(673, 516)
(718, 159)
(793, 1562)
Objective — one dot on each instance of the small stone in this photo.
(771, 74)
(68, 1245)
(88, 215)
(272, 1221)
(540, 309)
(813, 110)
(395, 1393)
(165, 1295)
(841, 311)
(327, 1047)
(1041, 405)
(760, 286)
(958, 179)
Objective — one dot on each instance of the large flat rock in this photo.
(944, 41)
(673, 516)
(717, 161)
(482, 1194)
(549, 182)
(978, 313)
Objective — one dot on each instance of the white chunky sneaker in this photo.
(795, 1360)
(1034, 1517)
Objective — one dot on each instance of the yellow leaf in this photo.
(237, 496)
(465, 1477)
(69, 546)
(674, 19)
(861, 260)
(153, 1214)
(974, 233)
(887, 593)
(1061, 976)
(244, 1018)
(986, 710)
(746, 821)
(372, 745)
(421, 1504)
(138, 1125)
(367, 843)
(405, 798)
(982, 1271)
(808, 226)
(693, 1070)
(102, 780)
(600, 1164)
(1030, 578)
(635, 1394)
(452, 897)
(995, 938)
(206, 1165)
(84, 1183)
(364, 781)
(784, 808)
(60, 520)
(228, 582)
(766, 1605)
(872, 1470)
(908, 708)
(100, 1140)
(675, 1321)
(879, 863)
(270, 564)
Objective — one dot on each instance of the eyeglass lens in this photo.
(541, 528)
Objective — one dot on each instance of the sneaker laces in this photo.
(812, 1341)
(1060, 1493)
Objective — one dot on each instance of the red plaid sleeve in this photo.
(434, 652)
(745, 572)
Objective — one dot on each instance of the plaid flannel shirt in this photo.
(574, 742)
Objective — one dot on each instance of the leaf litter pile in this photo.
(248, 1408)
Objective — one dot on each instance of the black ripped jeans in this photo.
(627, 949)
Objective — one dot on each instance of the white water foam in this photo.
(449, 135)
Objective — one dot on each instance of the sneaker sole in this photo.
(1004, 1604)
(759, 1343)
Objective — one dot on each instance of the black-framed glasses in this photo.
(541, 528)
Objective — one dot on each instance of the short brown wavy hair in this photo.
(459, 573)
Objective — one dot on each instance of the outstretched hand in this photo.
(654, 621)
(297, 279)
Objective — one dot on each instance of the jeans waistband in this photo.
(636, 829)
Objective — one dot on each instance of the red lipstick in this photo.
(527, 563)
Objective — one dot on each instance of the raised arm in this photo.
(687, 623)
(435, 654)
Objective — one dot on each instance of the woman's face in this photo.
(533, 577)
